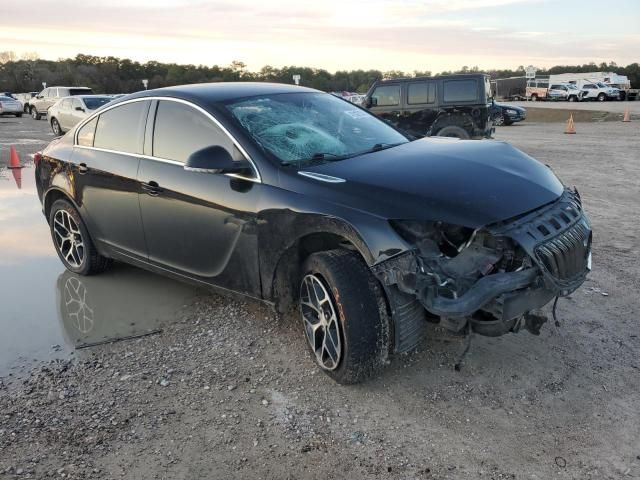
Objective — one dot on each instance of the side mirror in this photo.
(80, 109)
(215, 159)
(372, 102)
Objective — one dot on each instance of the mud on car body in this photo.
(300, 199)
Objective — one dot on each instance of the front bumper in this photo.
(555, 242)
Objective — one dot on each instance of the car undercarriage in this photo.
(489, 280)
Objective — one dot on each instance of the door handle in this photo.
(152, 188)
(82, 168)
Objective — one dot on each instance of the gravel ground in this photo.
(228, 390)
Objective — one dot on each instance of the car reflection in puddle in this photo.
(38, 296)
(122, 303)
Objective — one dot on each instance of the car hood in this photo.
(463, 182)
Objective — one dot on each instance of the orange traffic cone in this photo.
(17, 176)
(14, 160)
(627, 116)
(570, 126)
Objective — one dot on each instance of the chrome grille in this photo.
(565, 256)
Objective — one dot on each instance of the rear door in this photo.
(201, 225)
(420, 107)
(106, 160)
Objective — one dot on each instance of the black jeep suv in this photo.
(446, 106)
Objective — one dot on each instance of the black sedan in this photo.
(298, 198)
(503, 114)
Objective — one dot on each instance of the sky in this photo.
(405, 35)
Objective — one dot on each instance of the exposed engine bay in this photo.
(490, 280)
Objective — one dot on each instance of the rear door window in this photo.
(460, 90)
(421, 92)
(386, 95)
(181, 130)
(121, 128)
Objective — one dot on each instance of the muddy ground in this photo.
(226, 390)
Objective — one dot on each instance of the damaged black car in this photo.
(302, 200)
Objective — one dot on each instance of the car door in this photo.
(201, 225)
(78, 111)
(106, 158)
(421, 110)
(64, 114)
(385, 102)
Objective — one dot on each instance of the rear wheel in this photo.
(454, 131)
(534, 98)
(55, 126)
(573, 98)
(72, 241)
(343, 315)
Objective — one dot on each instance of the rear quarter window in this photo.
(421, 92)
(80, 91)
(460, 90)
(86, 133)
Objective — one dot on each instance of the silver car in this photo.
(68, 111)
(10, 106)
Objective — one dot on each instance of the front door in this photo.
(201, 225)
(385, 102)
(106, 158)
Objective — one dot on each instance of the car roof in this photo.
(220, 92)
(457, 76)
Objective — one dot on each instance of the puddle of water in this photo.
(46, 311)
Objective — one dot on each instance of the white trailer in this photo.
(609, 78)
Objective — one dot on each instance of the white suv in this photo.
(599, 91)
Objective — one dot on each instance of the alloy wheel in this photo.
(56, 127)
(68, 238)
(321, 324)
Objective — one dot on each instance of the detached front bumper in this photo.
(554, 243)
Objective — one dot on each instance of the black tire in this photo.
(25, 109)
(34, 114)
(454, 131)
(55, 127)
(18, 115)
(90, 261)
(602, 97)
(358, 304)
(573, 98)
(507, 122)
(534, 97)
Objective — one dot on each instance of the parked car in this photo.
(446, 106)
(24, 99)
(67, 112)
(565, 91)
(39, 104)
(503, 114)
(298, 198)
(597, 91)
(10, 106)
(8, 94)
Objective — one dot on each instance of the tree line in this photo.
(122, 75)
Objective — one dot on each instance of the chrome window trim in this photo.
(258, 178)
(162, 160)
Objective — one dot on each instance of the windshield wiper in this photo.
(318, 156)
(383, 146)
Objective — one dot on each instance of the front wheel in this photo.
(499, 121)
(573, 98)
(18, 115)
(34, 114)
(72, 242)
(343, 315)
(602, 97)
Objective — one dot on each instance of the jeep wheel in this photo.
(343, 315)
(454, 131)
(34, 113)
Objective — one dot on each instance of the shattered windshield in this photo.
(299, 128)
